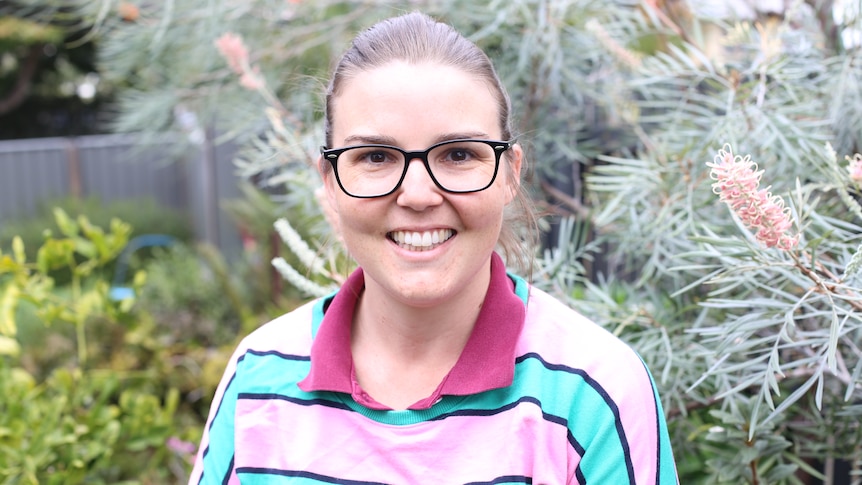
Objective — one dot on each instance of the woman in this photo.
(431, 364)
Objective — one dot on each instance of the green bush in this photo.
(184, 293)
(114, 406)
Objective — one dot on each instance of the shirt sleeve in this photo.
(214, 463)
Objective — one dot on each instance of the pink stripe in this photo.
(517, 442)
(562, 336)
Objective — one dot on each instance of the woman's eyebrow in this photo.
(388, 140)
(369, 140)
(462, 136)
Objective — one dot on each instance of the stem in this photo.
(829, 463)
(79, 321)
(856, 471)
(753, 466)
(826, 286)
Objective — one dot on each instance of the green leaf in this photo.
(8, 304)
(9, 346)
(55, 254)
(97, 242)
(18, 250)
(89, 304)
(65, 223)
(7, 264)
(86, 248)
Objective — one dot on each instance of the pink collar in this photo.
(487, 361)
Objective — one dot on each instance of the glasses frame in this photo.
(331, 155)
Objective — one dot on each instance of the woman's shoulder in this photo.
(289, 333)
(562, 335)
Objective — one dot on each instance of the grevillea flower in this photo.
(855, 168)
(234, 51)
(737, 183)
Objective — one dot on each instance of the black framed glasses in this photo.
(456, 166)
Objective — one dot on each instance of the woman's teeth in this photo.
(421, 241)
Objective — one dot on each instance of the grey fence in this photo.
(115, 167)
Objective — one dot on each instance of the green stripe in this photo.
(220, 446)
(317, 313)
(522, 288)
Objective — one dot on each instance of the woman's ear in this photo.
(328, 177)
(514, 171)
(326, 195)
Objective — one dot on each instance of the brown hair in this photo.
(414, 38)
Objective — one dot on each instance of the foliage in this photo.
(145, 216)
(48, 83)
(114, 411)
(623, 104)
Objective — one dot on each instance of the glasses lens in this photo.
(370, 171)
(463, 166)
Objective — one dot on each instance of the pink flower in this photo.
(180, 447)
(737, 183)
(855, 168)
(233, 49)
(251, 80)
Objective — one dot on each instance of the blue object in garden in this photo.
(118, 291)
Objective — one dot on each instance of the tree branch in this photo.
(24, 81)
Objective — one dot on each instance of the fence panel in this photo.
(31, 171)
(118, 169)
(114, 167)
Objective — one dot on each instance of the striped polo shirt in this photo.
(540, 394)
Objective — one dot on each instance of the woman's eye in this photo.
(459, 155)
(376, 157)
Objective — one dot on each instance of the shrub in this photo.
(106, 413)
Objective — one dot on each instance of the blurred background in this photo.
(158, 202)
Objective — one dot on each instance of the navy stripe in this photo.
(232, 378)
(505, 479)
(580, 475)
(226, 479)
(218, 409)
(502, 409)
(302, 474)
(264, 353)
(601, 391)
(256, 396)
(657, 427)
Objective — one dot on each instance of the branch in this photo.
(823, 10)
(826, 286)
(24, 81)
(573, 204)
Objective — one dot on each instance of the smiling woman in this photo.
(432, 364)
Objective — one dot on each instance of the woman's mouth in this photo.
(421, 241)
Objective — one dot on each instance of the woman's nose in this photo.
(418, 190)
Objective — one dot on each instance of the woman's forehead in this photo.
(399, 96)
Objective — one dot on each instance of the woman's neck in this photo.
(401, 353)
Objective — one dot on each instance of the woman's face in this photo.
(413, 106)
